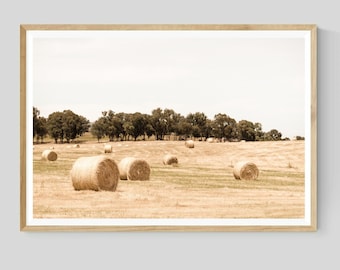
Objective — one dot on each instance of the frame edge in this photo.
(23, 224)
(23, 33)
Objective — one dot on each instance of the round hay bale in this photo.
(210, 140)
(95, 173)
(131, 168)
(107, 148)
(76, 146)
(245, 171)
(189, 144)
(170, 159)
(49, 155)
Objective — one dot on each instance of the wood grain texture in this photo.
(170, 228)
(314, 114)
(259, 27)
(22, 128)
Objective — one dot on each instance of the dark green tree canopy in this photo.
(225, 127)
(67, 125)
(246, 130)
(272, 135)
(39, 125)
(198, 121)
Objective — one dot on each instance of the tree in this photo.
(246, 130)
(128, 129)
(159, 123)
(138, 122)
(83, 125)
(171, 118)
(36, 113)
(98, 128)
(259, 134)
(183, 127)
(272, 135)
(113, 124)
(109, 123)
(149, 130)
(66, 125)
(300, 138)
(39, 125)
(198, 121)
(208, 129)
(224, 127)
(41, 128)
(69, 125)
(55, 126)
(118, 122)
(73, 125)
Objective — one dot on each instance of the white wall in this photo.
(317, 250)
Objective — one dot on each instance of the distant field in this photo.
(201, 186)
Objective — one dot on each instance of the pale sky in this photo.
(260, 79)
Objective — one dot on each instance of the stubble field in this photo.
(202, 185)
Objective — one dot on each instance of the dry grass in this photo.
(201, 186)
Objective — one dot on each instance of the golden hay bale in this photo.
(210, 140)
(170, 159)
(131, 168)
(95, 173)
(76, 146)
(245, 171)
(49, 155)
(107, 148)
(189, 144)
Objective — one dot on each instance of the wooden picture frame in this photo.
(50, 216)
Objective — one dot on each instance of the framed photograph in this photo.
(168, 127)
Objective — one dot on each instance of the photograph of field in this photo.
(200, 185)
(166, 123)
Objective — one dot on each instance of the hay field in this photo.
(200, 186)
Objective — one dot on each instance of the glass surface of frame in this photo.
(220, 121)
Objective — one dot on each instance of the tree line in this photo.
(62, 126)
(66, 126)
